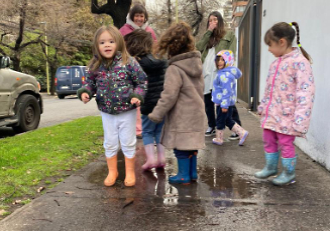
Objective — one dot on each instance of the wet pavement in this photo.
(225, 197)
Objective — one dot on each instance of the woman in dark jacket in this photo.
(139, 44)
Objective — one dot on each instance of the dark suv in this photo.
(69, 79)
(20, 100)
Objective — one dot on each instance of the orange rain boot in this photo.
(113, 172)
(130, 172)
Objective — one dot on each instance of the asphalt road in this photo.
(58, 111)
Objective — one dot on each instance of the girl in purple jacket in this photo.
(120, 84)
(287, 103)
(224, 96)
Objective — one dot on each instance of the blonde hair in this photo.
(97, 58)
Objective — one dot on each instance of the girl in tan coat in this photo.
(182, 100)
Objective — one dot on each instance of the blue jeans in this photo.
(225, 119)
(151, 131)
(183, 154)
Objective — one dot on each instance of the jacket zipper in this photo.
(271, 92)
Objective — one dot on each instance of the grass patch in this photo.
(44, 156)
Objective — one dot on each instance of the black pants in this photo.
(225, 119)
(210, 112)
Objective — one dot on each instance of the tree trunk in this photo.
(169, 12)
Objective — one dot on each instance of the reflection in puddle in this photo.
(220, 184)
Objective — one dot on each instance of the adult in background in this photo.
(137, 18)
(215, 39)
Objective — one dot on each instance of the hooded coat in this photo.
(224, 85)
(182, 103)
(130, 26)
(289, 95)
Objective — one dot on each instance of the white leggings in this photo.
(119, 128)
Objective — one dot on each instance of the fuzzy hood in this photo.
(228, 56)
(234, 71)
(189, 62)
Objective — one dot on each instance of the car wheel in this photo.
(60, 96)
(28, 111)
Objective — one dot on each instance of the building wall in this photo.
(312, 17)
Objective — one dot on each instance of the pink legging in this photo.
(273, 141)
(138, 121)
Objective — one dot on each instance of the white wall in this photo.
(313, 19)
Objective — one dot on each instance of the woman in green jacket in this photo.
(215, 39)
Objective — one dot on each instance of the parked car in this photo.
(20, 100)
(69, 79)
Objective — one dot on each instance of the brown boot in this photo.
(113, 172)
(130, 172)
(243, 134)
(219, 137)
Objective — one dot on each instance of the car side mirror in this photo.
(4, 62)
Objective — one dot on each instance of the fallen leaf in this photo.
(40, 189)
(2, 211)
(69, 193)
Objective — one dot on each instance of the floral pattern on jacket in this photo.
(224, 87)
(289, 95)
(116, 86)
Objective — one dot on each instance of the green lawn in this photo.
(45, 156)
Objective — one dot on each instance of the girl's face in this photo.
(107, 45)
(213, 21)
(139, 19)
(279, 48)
(221, 63)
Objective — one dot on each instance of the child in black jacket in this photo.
(139, 44)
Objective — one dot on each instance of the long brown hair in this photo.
(139, 42)
(176, 40)
(218, 32)
(97, 58)
(284, 30)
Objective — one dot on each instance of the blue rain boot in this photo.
(271, 166)
(183, 176)
(288, 174)
(193, 166)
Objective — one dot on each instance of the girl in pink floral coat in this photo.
(287, 103)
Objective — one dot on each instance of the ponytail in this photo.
(303, 51)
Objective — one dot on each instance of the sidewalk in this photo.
(225, 197)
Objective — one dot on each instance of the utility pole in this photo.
(46, 52)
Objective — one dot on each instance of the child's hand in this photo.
(224, 110)
(85, 97)
(136, 101)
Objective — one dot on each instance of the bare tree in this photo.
(118, 10)
(21, 13)
(194, 12)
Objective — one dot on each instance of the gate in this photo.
(249, 42)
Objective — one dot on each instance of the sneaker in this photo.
(210, 131)
(233, 136)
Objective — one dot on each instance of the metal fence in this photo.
(249, 54)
